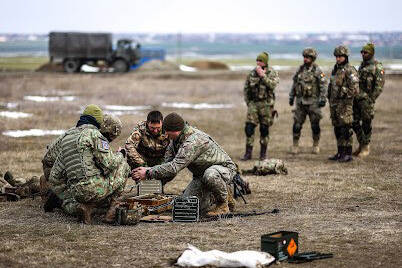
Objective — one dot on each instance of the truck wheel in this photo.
(120, 66)
(71, 66)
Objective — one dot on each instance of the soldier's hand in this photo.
(260, 71)
(291, 101)
(139, 173)
(321, 103)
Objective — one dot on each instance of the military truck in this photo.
(75, 49)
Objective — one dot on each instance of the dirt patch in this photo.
(209, 65)
(50, 67)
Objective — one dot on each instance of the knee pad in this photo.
(315, 128)
(264, 130)
(297, 128)
(249, 129)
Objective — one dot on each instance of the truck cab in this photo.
(126, 54)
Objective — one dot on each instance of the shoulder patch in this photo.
(103, 146)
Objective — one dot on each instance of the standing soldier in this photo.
(343, 87)
(95, 175)
(309, 88)
(260, 99)
(371, 82)
(147, 143)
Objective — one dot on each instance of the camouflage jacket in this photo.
(344, 84)
(144, 149)
(371, 79)
(193, 149)
(309, 85)
(96, 157)
(259, 88)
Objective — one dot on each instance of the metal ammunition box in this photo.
(146, 187)
(125, 216)
(186, 209)
(281, 245)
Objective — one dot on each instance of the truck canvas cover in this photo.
(80, 45)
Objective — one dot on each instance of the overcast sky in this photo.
(200, 16)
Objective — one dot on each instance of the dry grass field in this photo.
(352, 210)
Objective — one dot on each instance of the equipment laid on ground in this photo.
(309, 256)
(75, 49)
(128, 214)
(282, 245)
(186, 209)
(147, 187)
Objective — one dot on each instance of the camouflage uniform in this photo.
(144, 149)
(343, 87)
(94, 172)
(371, 83)
(309, 87)
(211, 166)
(260, 99)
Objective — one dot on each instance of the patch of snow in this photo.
(14, 115)
(127, 108)
(89, 69)
(186, 68)
(32, 132)
(49, 99)
(197, 106)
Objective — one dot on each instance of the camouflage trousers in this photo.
(211, 188)
(342, 119)
(363, 114)
(258, 112)
(300, 114)
(96, 189)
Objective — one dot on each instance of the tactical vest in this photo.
(258, 90)
(73, 157)
(367, 77)
(306, 82)
(338, 84)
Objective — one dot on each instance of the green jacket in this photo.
(371, 79)
(193, 149)
(258, 88)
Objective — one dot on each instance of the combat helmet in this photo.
(111, 127)
(310, 52)
(341, 51)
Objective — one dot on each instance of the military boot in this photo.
(357, 152)
(316, 148)
(110, 216)
(8, 176)
(247, 155)
(346, 156)
(85, 211)
(231, 202)
(337, 155)
(51, 201)
(263, 151)
(220, 209)
(365, 151)
(295, 148)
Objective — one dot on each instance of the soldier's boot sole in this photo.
(110, 216)
(85, 211)
(357, 152)
(345, 158)
(220, 209)
(231, 202)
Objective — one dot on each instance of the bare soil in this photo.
(352, 210)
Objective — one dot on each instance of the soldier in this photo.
(260, 99)
(343, 87)
(110, 129)
(95, 175)
(309, 88)
(147, 144)
(211, 166)
(371, 83)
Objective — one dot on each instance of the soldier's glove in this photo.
(321, 103)
(291, 101)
